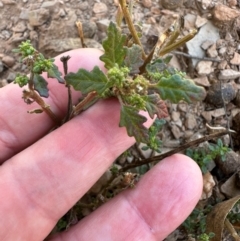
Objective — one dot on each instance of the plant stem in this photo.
(80, 32)
(129, 21)
(196, 57)
(177, 44)
(119, 16)
(64, 60)
(46, 108)
(33, 95)
(176, 150)
(30, 82)
(85, 103)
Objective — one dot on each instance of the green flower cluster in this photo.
(42, 65)
(34, 60)
(26, 49)
(140, 85)
(117, 75)
(21, 80)
(136, 101)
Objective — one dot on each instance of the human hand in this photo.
(43, 176)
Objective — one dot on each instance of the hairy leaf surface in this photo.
(134, 59)
(176, 88)
(133, 121)
(113, 46)
(86, 81)
(155, 105)
(40, 85)
(55, 73)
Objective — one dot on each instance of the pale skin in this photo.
(43, 176)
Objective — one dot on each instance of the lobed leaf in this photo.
(133, 121)
(40, 85)
(55, 73)
(176, 88)
(155, 105)
(86, 81)
(133, 59)
(114, 47)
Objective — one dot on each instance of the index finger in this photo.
(19, 129)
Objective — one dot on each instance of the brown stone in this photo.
(223, 14)
(8, 60)
(204, 67)
(100, 9)
(190, 121)
(203, 81)
(38, 17)
(147, 3)
(171, 4)
(236, 59)
(176, 132)
(230, 164)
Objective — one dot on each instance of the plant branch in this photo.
(85, 103)
(176, 150)
(131, 27)
(80, 32)
(30, 82)
(31, 94)
(196, 57)
(171, 46)
(64, 60)
(46, 108)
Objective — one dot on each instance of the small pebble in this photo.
(8, 60)
(218, 91)
(11, 77)
(171, 4)
(100, 8)
(175, 115)
(190, 121)
(228, 74)
(147, 3)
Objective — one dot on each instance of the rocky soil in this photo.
(211, 59)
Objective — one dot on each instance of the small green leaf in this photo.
(133, 121)
(86, 81)
(134, 59)
(155, 105)
(55, 73)
(40, 85)
(113, 46)
(176, 88)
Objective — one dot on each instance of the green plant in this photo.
(234, 215)
(195, 224)
(203, 156)
(205, 237)
(135, 91)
